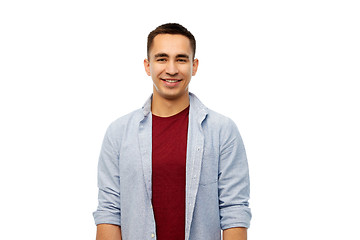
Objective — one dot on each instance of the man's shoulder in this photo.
(216, 115)
(218, 119)
(129, 119)
(213, 119)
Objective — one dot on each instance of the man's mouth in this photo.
(171, 80)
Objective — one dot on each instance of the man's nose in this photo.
(171, 68)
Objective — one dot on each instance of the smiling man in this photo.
(173, 169)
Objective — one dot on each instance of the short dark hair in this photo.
(171, 28)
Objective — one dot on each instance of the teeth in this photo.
(171, 81)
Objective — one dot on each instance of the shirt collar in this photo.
(196, 106)
(147, 106)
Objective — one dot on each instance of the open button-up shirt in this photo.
(217, 176)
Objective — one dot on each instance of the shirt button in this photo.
(152, 235)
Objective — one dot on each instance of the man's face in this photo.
(171, 66)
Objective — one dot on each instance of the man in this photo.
(173, 169)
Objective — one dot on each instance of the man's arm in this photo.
(108, 232)
(108, 214)
(233, 181)
(239, 233)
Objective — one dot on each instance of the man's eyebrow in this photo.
(182, 56)
(161, 55)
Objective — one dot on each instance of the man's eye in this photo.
(161, 60)
(181, 60)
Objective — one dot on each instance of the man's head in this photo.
(171, 28)
(171, 62)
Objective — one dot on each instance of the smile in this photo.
(171, 80)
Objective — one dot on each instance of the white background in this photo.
(285, 71)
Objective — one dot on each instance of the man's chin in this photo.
(172, 96)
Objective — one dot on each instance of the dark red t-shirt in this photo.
(169, 140)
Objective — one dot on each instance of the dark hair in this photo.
(171, 28)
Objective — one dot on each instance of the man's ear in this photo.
(147, 66)
(195, 66)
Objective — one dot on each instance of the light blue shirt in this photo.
(217, 176)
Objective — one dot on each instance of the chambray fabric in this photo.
(217, 176)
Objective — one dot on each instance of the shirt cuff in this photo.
(102, 217)
(235, 216)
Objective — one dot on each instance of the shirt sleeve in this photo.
(108, 210)
(234, 184)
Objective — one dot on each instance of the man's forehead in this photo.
(171, 44)
(171, 37)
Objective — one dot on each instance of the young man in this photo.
(174, 169)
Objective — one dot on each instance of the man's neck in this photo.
(163, 107)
